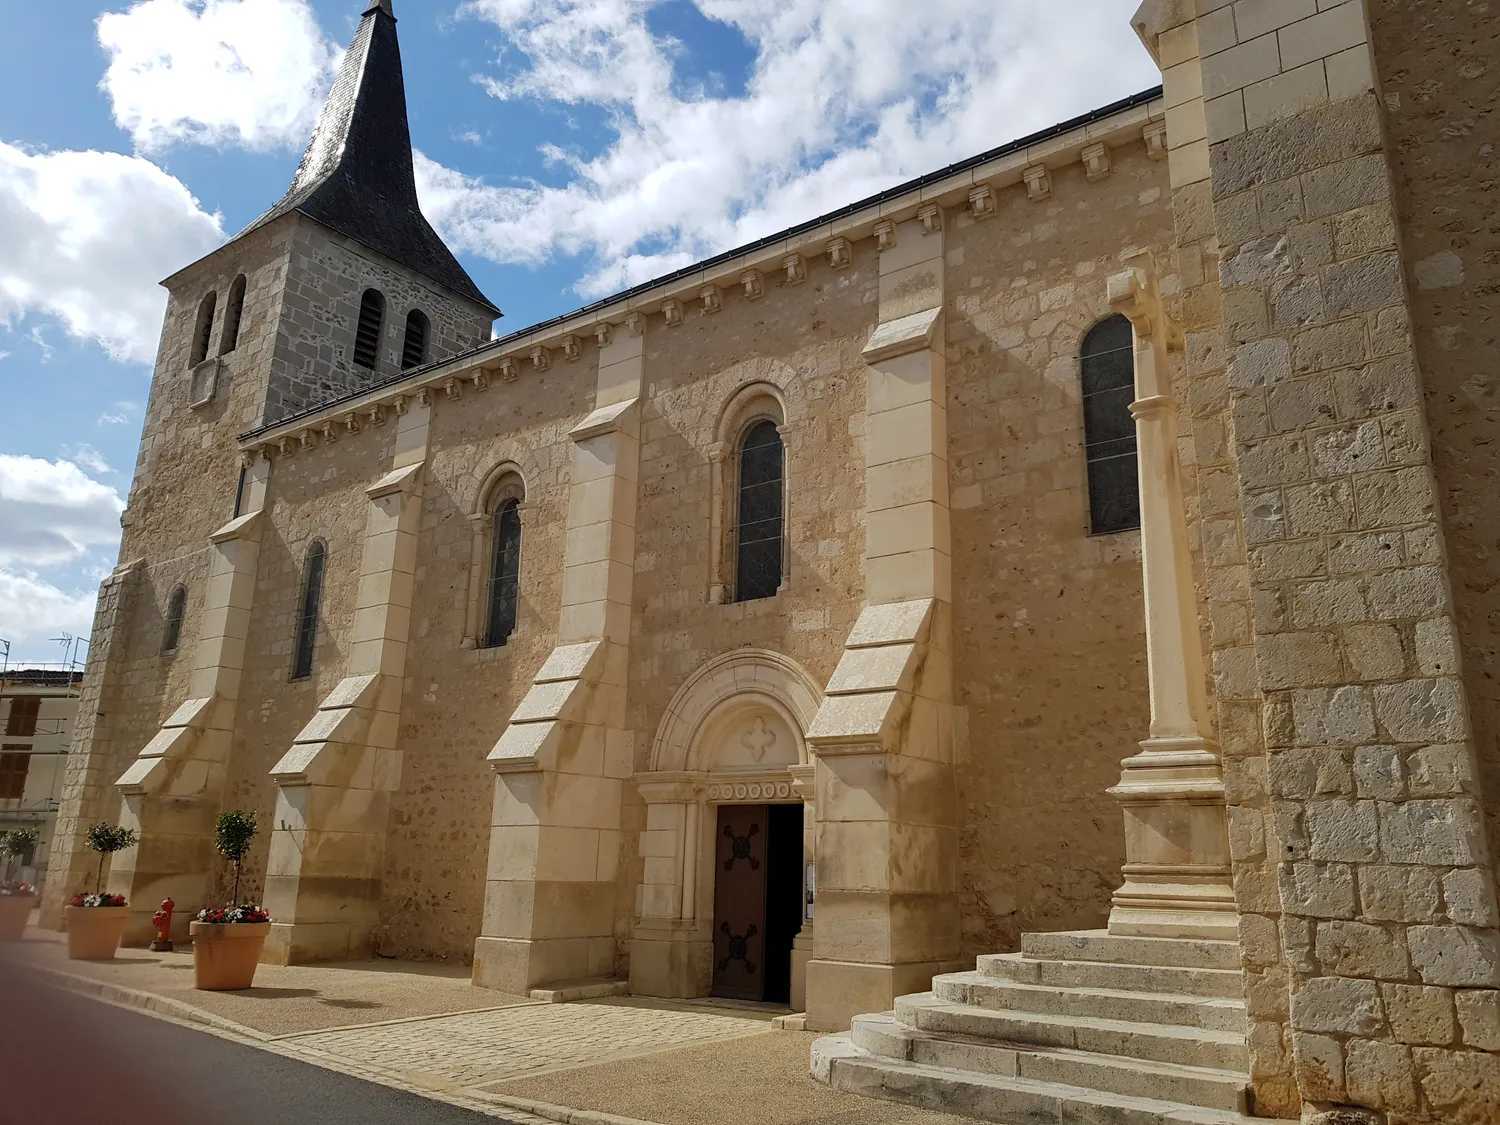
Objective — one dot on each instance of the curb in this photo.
(177, 1011)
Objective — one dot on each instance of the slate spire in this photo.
(357, 177)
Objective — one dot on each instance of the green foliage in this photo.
(233, 834)
(106, 839)
(20, 844)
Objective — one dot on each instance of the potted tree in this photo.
(96, 922)
(227, 941)
(17, 897)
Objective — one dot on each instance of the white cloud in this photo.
(52, 512)
(842, 101)
(243, 72)
(87, 237)
(32, 611)
(87, 456)
(118, 414)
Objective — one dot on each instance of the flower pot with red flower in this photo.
(96, 922)
(17, 897)
(227, 942)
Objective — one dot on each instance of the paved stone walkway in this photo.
(474, 1048)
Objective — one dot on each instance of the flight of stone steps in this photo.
(1076, 1029)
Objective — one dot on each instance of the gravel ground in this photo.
(755, 1078)
(287, 1000)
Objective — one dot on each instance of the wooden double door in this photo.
(757, 900)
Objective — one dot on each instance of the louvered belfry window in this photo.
(414, 347)
(758, 523)
(307, 614)
(233, 313)
(505, 574)
(1109, 430)
(176, 611)
(367, 335)
(204, 330)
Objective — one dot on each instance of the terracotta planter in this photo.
(225, 955)
(15, 910)
(94, 932)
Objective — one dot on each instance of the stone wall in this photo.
(1442, 145)
(326, 277)
(1041, 606)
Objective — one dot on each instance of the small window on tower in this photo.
(414, 349)
(205, 329)
(176, 611)
(367, 335)
(232, 314)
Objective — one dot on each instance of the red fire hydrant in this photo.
(161, 921)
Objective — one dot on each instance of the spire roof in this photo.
(357, 176)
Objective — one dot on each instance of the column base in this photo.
(837, 991)
(308, 943)
(1175, 904)
(517, 965)
(673, 959)
(802, 950)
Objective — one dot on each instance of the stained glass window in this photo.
(307, 616)
(1109, 430)
(759, 518)
(505, 574)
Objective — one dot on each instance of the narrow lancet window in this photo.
(233, 313)
(307, 613)
(367, 335)
(758, 522)
(1109, 430)
(505, 573)
(203, 333)
(176, 611)
(414, 347)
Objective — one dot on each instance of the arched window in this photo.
(176, 610)
(204, 331)
(414, 347)
(1108, 428)
(367, 335)
(307, 612)
(758, 516)
(229, 339)
(504, 590)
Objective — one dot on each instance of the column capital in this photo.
(1136, 295)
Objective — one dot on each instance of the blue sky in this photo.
(566, 149)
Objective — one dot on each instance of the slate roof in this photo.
(357, 177)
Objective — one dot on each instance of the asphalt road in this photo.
(68, 1060)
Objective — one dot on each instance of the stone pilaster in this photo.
(561, 763)
(88, 795)
(334, 784)
(887, 841)
(173, 792)
(1177, 878)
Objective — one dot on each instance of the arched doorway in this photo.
(728, 839)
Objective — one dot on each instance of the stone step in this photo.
(1215, 1013)
(568, 992)
(1226, 983)
(1185, 1046)
(1101, 945)
(1012, 1100)
(1199, 1086)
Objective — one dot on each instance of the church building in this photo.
(1038, 623)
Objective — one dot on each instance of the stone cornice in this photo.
(971, 186)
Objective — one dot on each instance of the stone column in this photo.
(887, 837)
(562, 762)
(88, 795)
(334, 784)
(1177, 876)
(804, 782)
(174, 791)
(671, 947)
